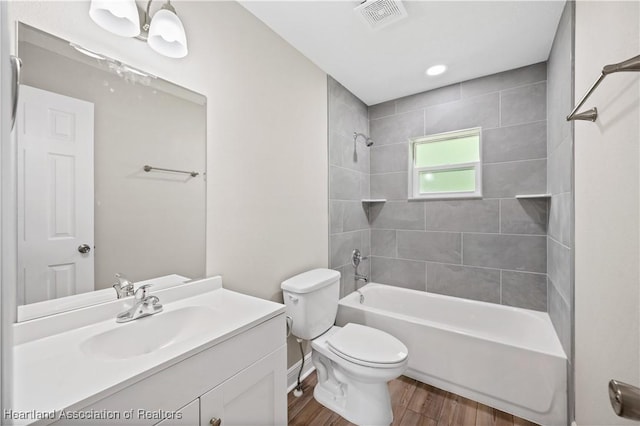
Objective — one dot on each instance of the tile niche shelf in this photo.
(373, 200)
(529, 196)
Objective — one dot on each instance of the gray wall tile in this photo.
(560, 218)
(335, 148)
(354, 216)
(341, 246)
(336, 210)
(464, 281)
(560, 84)
(397, 128)
(392, 186)
(382, 110)
(397, 215)
(559, 267)
(432, 97)
(559, 182)
(513, 252)
(505, 80)
(523, 104)
(560, 313)
(389, 158)
(365, 188)
(560, 168)
(432, 246)
(523, 216)
(480, 111)
(344, 184)
(348, 118)
(365, 243)
(503, 180)
(383, 243)
(524, 290)
(347, 281)
(520, 142)
(463, 215)
(338, 93)
(399, 272)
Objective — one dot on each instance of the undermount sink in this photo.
(149, 334)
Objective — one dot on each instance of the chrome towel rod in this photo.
(148, 168)
(632, 64)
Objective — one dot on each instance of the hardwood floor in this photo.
(414, 404)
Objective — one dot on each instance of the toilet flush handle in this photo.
(293, 298)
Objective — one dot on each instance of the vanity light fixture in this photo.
(436, 70)
(163, 31)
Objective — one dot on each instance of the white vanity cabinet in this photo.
(188, 415)
(254, 397)
(241, 381)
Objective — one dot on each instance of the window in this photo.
(446, 165)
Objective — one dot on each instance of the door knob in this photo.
(215, 422)
(625, 399)
(84, 248)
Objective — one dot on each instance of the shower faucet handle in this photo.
(357, 257)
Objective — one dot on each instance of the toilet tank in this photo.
(311, 300)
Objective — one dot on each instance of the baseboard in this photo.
(292, 373)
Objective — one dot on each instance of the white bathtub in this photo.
(507, 358)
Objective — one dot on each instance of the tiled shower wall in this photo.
(493, 249)
(560, 185)
(348, 183)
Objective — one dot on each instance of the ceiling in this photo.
(473, 38)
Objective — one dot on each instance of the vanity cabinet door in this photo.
(255, 396)
(189, 415)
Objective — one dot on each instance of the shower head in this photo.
(367, 140)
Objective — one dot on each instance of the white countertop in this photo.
(55, 372)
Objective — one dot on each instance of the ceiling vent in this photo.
(380, 13)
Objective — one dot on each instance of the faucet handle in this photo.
(141, 292)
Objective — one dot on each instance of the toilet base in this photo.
(368, 406)
(357, 401)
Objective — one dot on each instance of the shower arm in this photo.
(367, 140)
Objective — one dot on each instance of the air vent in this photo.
(380, 13)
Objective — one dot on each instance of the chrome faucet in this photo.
(123, 287)
(144, 305)
(356, 258)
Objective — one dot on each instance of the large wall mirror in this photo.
(88, 207)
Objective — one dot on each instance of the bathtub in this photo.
(506, 358)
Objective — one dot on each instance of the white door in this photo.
(55, 195)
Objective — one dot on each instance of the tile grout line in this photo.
(501, 286)
(459, 264)
(499, 216)
(500, 108)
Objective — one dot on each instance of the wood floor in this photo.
(414, 404)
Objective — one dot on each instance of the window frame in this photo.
(414, 172)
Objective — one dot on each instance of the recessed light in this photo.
(436, 70)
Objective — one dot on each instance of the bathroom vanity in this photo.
(212, 356)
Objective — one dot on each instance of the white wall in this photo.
(607, 194)
(267, 213)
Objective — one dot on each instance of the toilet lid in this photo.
(361, 343)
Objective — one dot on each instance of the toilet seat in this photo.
(367, 346)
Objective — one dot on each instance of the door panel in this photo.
(55, 195)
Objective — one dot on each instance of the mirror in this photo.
(111, 176)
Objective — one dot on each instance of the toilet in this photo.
(354, 362)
